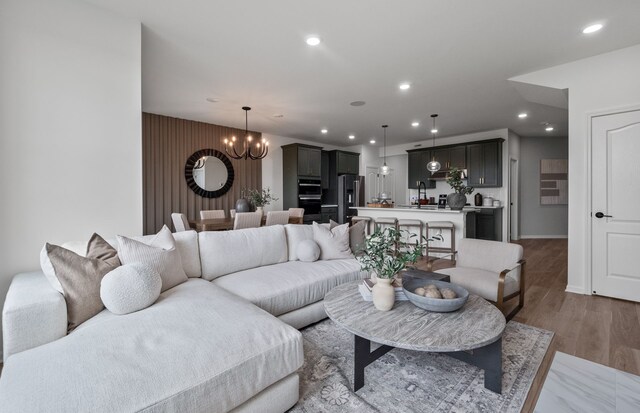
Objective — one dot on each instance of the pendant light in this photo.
(261, 148)
(433, 166)
(384, 169)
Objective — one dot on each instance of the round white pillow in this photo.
(308, 250)
(129, 288)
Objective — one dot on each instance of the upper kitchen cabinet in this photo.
(346, 162)
(451, 157)
(418, 160)
(302, 160)
(325, 169)
(484, 164)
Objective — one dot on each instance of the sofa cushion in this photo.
(226, 252)
(296, 233)
(197, 349)
(481, 282)
(285, 287)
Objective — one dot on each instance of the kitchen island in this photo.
(463, 221)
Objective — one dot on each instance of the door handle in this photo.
(601, 215)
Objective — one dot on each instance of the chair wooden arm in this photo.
(501, 280)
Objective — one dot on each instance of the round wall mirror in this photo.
(209, 173)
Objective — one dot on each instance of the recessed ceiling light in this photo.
(404, 86)
(324, 131)
(522, 115)
(352, 136)
(372, 141)
(549, 128)
(434, 130)
(358, 103)
(415, 124)
(592, 28)
(278, 115)
(212, 100)
(313, 40)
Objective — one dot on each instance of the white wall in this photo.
(70, 128)
(540, 221)
(272, 165)
(600, 84)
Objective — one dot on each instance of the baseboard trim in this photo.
(576, 290)
(544, 236)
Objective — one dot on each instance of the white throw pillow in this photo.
(130, 288)
(333, 243)
(357, 235)
(308, 250)
(159, 253)
(296, 233)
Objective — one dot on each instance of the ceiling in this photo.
(457, 56)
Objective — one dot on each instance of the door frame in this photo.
(514, 196)
(588, 248)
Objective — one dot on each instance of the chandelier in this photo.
(261, 148)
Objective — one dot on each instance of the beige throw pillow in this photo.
(333, 243)
(159, 253)
(80, 277)
(357, 235)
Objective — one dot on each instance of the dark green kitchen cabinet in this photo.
(484, 164)
(347, 163)
(417, 164)
(309, 161)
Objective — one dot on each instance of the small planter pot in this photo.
(456, 201)
(384, 295)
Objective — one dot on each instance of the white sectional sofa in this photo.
(225, 340)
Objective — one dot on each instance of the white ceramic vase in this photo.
(260, 210)
(384, 295)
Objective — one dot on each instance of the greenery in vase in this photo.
(258, 198)
(455, 181)
(381, 256)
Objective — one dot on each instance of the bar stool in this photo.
(382, 223)
(367, 220)
(438, 227)
(404, 224)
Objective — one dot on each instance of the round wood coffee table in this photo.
(472, 334)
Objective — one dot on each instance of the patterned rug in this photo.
(412, 381)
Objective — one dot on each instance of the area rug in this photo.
(412, 381)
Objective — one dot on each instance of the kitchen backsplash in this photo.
(443, 188)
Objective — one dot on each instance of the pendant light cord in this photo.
(384, 129)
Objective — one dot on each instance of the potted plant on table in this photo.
(385, 254)
(457, 199)
(259, 198)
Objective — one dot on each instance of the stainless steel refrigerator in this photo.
(350, 195)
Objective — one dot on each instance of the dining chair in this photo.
(212, 214)
(180, 222)
(232, 213)
(247, 220)
(296, 212)
(277, 218)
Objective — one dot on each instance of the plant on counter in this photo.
(458, 198)
(258, 198)
(385, 252)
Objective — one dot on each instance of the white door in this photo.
(615, 200)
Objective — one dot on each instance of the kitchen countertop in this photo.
(329, 206)
(424, 208)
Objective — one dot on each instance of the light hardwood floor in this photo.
(600, 329)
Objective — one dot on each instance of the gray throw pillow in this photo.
(333, 243)
(80, 277)
(308, 250)
(357, 235)
(130, 288)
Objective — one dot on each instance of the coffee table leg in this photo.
(363, 356)
(488, 358)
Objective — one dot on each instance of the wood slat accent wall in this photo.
(166, 144)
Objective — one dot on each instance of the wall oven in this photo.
(310, 198)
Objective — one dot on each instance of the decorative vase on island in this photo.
(456, 201)
(383, 293)
(243, 205)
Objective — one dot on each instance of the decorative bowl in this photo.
(439, 305)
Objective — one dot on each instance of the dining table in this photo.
(225, 224)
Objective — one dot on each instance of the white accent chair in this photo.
(212, 214)
(277, 218)
(247, 220)
(180, 222)
(493, 270)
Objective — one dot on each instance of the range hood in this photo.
(441, 175)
